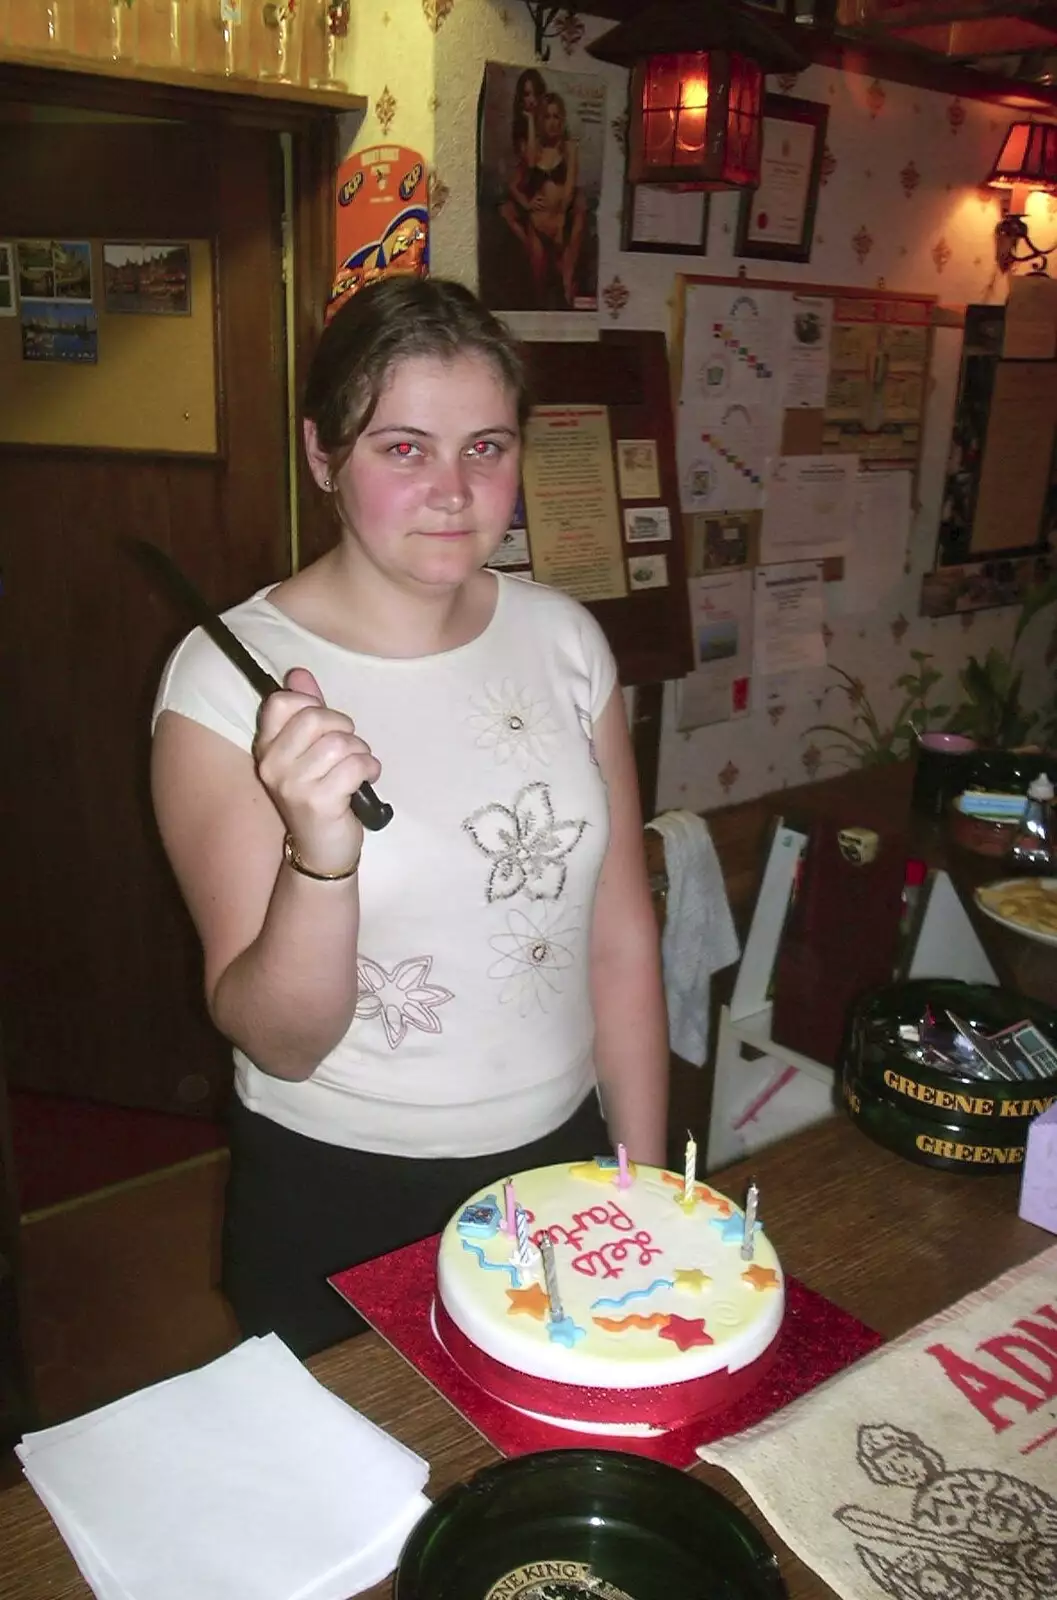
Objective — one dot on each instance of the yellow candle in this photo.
(691, 1169)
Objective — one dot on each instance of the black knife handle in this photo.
(374, 814)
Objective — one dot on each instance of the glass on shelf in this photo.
(167, 33)
(327, 36)
(122, 36)
(44, 25)
(282, 39)
(226, 47)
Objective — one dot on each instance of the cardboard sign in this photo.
(381, 219)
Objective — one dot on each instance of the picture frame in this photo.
(146, 277)
(657, 220)
(776, 220)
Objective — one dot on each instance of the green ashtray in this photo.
(585, 1525)
(950, 1145)
(874, 1056)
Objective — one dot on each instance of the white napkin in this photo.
(246, 1478)
(699, 936)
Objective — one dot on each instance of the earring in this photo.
(328, 484)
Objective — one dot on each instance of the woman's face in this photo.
(553, 123)
(529, 98)
(429, 487)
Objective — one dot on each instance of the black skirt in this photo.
(298, 1210)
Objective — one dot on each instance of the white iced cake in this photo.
(655, 1312)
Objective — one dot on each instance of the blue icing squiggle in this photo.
(563, 1330)
(634, 1294)
(493, 1266)
(732, 1229)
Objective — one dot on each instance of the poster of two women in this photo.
(539, 179)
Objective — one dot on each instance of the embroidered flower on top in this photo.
(402, 998)
(533, 953)
(525, 843)
(510, 723)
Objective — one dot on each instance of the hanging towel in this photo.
(699, 936)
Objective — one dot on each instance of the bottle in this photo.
(1032, 847)
(914, 877)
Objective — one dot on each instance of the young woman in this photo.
(427, 1009)
(528, 93)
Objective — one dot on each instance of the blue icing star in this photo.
(563, 1330)
(480, 1220)
(732, 1229)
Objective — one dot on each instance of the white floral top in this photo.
(473, 1030)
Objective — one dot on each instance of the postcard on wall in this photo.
(646, 524)
(637, 469)
(648, 572)
(55, 269)
(730, 539)
(52, 331)
(145, 279)
(571, 500)
(718, 687)
(513, 549)
(7, 281)
(809, 507)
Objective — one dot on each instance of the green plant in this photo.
(991, 712)
(868, 742)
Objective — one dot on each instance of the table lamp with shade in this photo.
(1026, 161)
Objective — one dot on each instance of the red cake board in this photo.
(394, 1293)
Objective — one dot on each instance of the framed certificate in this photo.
(663, 220)
(776, 221)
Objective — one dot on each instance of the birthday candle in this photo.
(550, 1274)
(751, 1202)
(691, 1168)
(623, 1176)
(521, 1229)
(509, 1226)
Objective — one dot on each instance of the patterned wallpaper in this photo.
(900, 208)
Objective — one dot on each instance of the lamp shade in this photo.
(1028, 158)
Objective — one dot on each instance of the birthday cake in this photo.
(607, 1298)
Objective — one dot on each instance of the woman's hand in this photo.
(311, 761)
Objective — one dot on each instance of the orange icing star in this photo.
(691, 1278)
(619, 1324)
(532, 1302)
(760, 1278)
(701, 1192)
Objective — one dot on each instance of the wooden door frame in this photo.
(314, 131)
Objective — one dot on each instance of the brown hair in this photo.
(391, 321)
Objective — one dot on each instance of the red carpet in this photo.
(66, 1148)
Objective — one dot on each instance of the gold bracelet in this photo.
(292, 859)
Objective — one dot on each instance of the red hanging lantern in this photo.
(696, 97)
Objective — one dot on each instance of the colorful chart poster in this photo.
(381, 219)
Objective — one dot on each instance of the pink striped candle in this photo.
(510, 1225)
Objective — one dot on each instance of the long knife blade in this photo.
(372, 812)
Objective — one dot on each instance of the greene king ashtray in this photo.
(585, 1525)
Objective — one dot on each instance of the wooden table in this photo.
(889, 1241)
